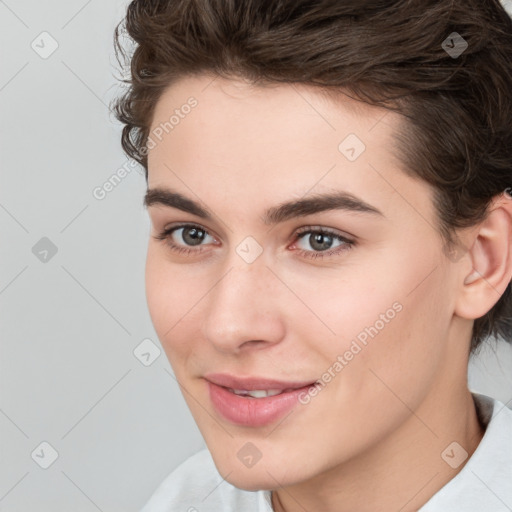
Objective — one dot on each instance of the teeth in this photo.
(257, 393)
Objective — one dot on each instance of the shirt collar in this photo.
(484, 483)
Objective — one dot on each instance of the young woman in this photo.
(329, 192)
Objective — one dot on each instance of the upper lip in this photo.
(253, 383)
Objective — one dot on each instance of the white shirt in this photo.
(484, 483)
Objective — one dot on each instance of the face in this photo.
(345, 310)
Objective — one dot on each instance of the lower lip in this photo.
(253, 412)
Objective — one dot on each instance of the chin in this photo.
(263, 476)
(250, 479)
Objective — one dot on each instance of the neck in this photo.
(403, 471)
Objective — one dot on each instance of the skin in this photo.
(372, 439)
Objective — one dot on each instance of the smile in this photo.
(253, 402)
(257, 393)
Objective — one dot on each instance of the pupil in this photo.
(193, 236)
(321, 241)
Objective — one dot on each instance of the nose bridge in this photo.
(246, 272)
(240, 289)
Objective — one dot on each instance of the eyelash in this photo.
(165, 236)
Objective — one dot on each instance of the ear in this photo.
(491, 261)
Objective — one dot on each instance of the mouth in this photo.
(251, 401)
(259, 393)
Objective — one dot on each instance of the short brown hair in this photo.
(409, 56)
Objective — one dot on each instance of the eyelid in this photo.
(168, 228)
(325, 229)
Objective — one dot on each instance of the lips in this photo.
(250, 401)
(252, 383)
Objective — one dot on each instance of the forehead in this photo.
(230, 99)
(233, 122)
(243, 142)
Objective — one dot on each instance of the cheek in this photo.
(355, 305)
(392, 319)
(157, 289)
(168, 296)
(401, 362)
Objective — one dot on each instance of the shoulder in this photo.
(484, 481)
(196, 485)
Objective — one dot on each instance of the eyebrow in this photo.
(296, 208)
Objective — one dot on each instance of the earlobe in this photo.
(491, 257)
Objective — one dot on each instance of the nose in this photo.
(243, 310)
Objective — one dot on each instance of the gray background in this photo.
(71, 321)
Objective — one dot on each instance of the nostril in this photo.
(252, 343)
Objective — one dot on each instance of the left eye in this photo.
(321, 240)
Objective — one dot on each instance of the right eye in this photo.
(189, 233)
